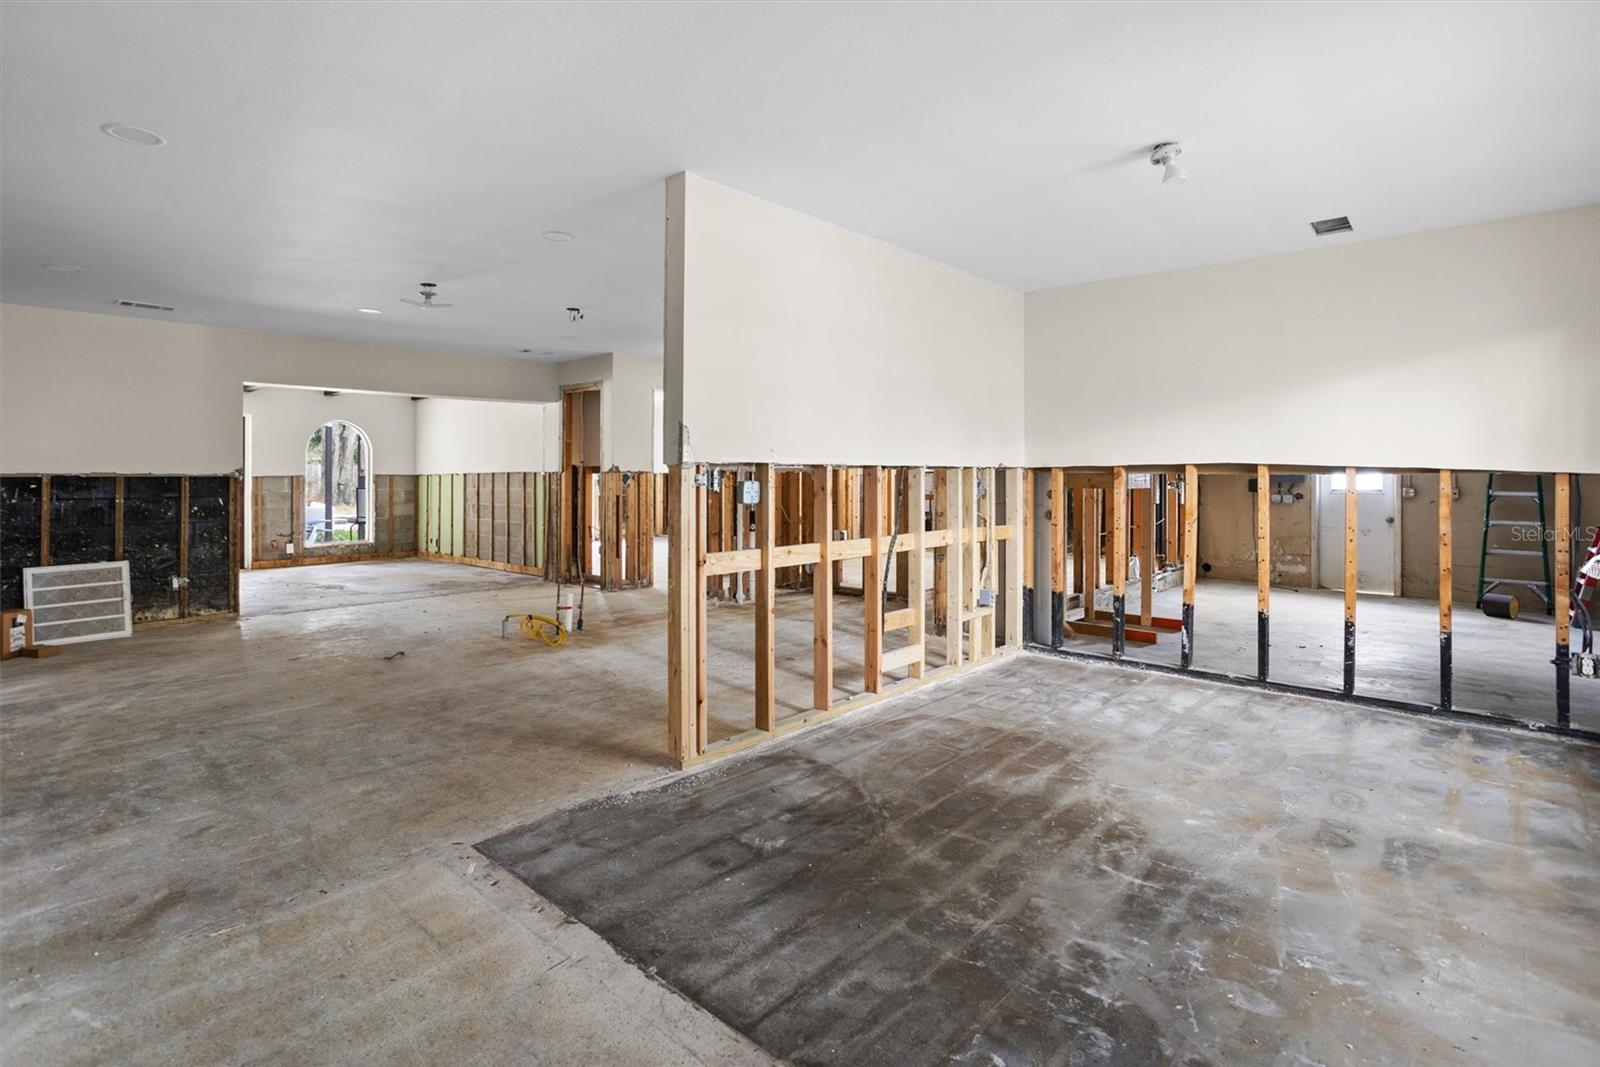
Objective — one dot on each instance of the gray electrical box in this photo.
(750, 492)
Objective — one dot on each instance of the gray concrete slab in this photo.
(232, 843)
(1053, 862)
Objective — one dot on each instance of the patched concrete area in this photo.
(1052, 862)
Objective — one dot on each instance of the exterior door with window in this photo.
(1377, 531)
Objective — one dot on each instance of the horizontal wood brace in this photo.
(899, 620)
(895, 659)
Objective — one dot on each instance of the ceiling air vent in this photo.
(1323, 227)
(144, 305)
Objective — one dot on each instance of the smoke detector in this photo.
(1165, 155)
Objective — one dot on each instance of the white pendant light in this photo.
(1165, 155)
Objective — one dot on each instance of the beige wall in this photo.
(116, 394)
(281, 422)
(484, 436)
(793, 340)
(1472, 348)
(618, 425)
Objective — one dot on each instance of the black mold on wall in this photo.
(150, 531)
(83, 529)
(83, 519)
(19, 535)
(210, 577)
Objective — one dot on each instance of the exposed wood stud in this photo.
(1563, 599)
(822, 484)
(766, 602)
(1446, 584)
(1017, 517)
(682, 744)
(183, 548)
(1117, 550)
(1263, 569)
(915, 570)
(1189, 545)
(872, 488)
(1351, 572)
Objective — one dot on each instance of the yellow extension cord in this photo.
(542, 628)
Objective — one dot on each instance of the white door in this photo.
(1377, 531)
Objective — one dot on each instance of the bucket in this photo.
(564, 611)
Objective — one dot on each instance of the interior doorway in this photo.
(1377, 531)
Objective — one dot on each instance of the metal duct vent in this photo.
(78, 602)
(144, 305)
(1323, 227)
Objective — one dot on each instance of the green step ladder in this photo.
(1488, 583)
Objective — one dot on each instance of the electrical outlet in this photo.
(1586, 664)
(750, 492)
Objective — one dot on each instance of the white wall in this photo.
(633, 385)
(281, 421)
(115, 394)
(1474, 347)
(793, 340)
(484, 436)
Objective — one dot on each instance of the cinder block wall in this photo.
(278, 520)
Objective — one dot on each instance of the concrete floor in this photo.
(235, 842)
(1064, 863)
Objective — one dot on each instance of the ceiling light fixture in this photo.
(369, 311)
(63, 268)
(557, 236)
(427, 292)
(122, 131)
(1165, 155)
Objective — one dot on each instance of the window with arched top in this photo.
(338, 473)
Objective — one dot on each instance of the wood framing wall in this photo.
(800, 527)
(180, 534)
(500, 520)
(278, 520)
(1079, 505)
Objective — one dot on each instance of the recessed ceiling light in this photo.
(369, 311)
(138, 135)
(557, 236)
(569, 337)
(62, 268)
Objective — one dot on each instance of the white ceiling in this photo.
(327, 156)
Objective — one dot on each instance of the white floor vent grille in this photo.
(78, 602)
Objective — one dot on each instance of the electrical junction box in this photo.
(1139, 480)
(750, 492)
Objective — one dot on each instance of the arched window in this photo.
(338, 472)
